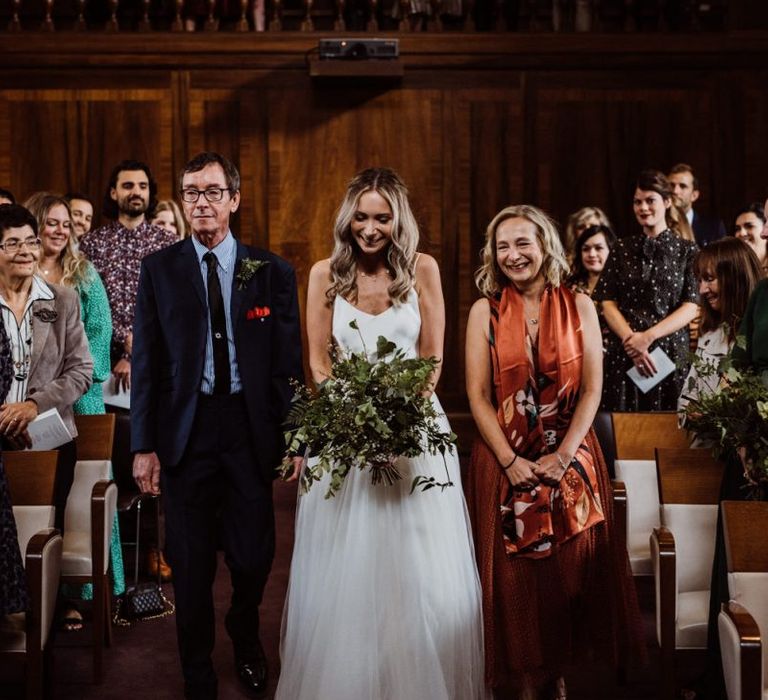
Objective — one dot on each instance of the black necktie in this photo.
(221, 383)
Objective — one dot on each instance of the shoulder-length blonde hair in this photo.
(401, 252)
(73, 263)
(576, 224)
(182, 231)
(490, 279)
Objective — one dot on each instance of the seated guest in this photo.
(6, 197)
(728, 272)
(52, 363)
(13, 584)
(82, 213)
(168, 216)
(577, 222)
(750, 222)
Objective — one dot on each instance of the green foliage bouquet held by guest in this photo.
(383, 583)
(367, 414)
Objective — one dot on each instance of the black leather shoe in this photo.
(252, 673)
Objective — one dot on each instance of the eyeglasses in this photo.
(212, 194)
(14, 245)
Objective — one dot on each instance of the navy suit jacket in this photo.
(707, 229)
(169, 337)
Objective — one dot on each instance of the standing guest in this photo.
(728, 272)
(649, 296)
(750, 222)
(117, 250)
(384, 599)
(61, 263)
(52, 363)
(578, 222)
(13, 584)
(168, 216)
(82, 213)
(210, 392)
(555, 584)
(593, 246)
(685, 190)
(6, 197)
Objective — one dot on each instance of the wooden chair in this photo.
(31, 476)
(636, 495)
(744, 654)
(88, 519)
(95, 436)
(682, 551)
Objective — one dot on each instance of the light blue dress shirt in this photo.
(226, 255)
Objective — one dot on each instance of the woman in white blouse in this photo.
(727, 270)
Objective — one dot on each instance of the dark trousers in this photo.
(65, 476)
(217, 494)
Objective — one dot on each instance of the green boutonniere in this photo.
(248, 268)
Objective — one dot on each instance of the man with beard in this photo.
(116, 251)
(118, 248)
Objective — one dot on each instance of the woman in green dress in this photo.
(62, 263)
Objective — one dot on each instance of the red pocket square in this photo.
(257, 312)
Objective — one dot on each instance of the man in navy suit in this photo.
(216, 342)
(685, 187)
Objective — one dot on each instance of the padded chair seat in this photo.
(76, 557)
(692, 616)
(639, 477)
(13, 635)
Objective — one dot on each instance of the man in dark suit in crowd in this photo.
(685, 186)
(216, 342)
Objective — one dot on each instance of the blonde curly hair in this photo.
(490, 279)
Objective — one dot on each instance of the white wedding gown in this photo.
(384, 598)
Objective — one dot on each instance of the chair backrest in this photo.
(31, 476)
(77, 516)
(639, 478)
(95, 436)
(689, 486)
(745, 524)
(29, 520)
(636, 435)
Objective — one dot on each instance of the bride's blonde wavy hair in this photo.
(490, 279)
(401, 252)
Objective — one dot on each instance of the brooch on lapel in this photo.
(248, 268)
(258, 312)
(46, 315)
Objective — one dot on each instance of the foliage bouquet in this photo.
(365, 415)
(734, 418)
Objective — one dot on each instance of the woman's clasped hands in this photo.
(524, 474)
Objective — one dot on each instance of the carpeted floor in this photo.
(143, 662)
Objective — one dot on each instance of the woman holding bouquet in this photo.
(554, 580)
(384, 598)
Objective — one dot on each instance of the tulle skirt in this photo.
(384, 598)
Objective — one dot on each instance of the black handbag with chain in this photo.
(143, 601)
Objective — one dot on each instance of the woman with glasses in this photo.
(52, 366)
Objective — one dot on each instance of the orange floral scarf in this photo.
(537, 389)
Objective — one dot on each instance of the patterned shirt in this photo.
(117, 252)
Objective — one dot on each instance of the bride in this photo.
(384, 600)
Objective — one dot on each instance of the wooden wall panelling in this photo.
(70, 139)
(754, 158)
(591, 142)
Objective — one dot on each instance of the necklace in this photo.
(534, 321)
(375, 274)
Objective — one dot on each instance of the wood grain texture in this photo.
(745, 524)
(690, 476)
(637, 435)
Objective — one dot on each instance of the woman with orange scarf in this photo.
(554, 580)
